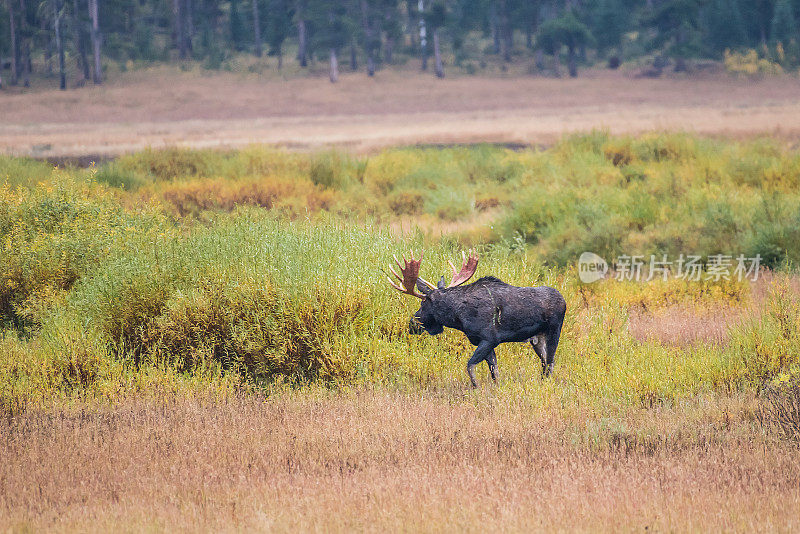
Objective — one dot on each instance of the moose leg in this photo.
(483, 350)
(539, 345)
(551, 346)
(491, 360)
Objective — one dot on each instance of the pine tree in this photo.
(237, 27)
(436, 20)
(97, 73)
(256, 28)
(608, 21)
(278, 23)
(784, 25)
(568, 31)
(391, 26)
(725, 25)
(676, 25)
(332, 30)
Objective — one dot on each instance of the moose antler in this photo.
(410, 275)
(468, 267)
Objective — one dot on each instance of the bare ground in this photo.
(228, 110)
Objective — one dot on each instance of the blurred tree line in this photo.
(53, 37)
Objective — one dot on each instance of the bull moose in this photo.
(488, 311)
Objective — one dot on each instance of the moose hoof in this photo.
(471, 374)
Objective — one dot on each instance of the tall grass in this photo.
(23, 172)
(263, 300)
(256, 267)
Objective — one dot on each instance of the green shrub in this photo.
(53, 236)
(171, 163)
(25, 172)
(485, 163)
(770, 344)
(334, 170)
(450, 205)
(406, 202)
(249, 295)
(115, 176)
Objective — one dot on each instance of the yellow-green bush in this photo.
(650, 194)
(52, 235)
(770, 344)
(750, 64)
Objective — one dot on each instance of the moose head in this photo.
(410, 283)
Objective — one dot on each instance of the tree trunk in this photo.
(256, 29)
(439, 69)
(539, 60)
(423, 40)
(505, 31)
(49, 45)
(25, 44)
(353, 56)
(26, 62)
(97, 75)
(388, 15)
(80, 40)
(410, 33)
(14, 44)
(62, 70)
(680, 62)
(369, 38)
(302, 43)
(572, 62)
(557, 64)
(334, 72)
(388, 50)
(495, 26)
(177, 13)
(188, 32)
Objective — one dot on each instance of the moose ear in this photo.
(442, 284)
(423, 287)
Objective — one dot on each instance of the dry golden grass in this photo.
(376, 461)
(683, 325)
(680, 325)
(402, 107)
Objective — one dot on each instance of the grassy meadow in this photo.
(206, 340)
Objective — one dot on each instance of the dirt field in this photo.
(361, 114)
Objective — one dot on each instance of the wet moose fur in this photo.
(491, 312)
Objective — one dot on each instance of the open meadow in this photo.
(206, 340)
(163, 107)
